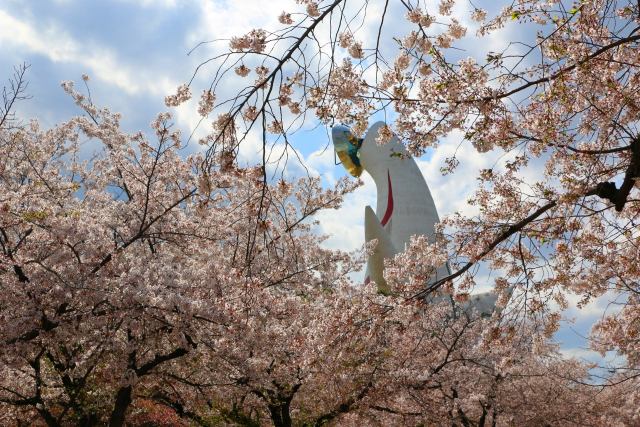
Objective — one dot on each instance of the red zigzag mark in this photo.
(389, 211)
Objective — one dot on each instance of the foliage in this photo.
(145, 286)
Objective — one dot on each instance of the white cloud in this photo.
(345, 226)
(322, 163)
(100, 62)
(226, 19)
(580, 353)
(153, 3)
(605, 305)
(451, 192)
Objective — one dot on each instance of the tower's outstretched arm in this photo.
(383, 249)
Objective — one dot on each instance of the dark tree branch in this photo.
(510, 231)
(619, 196)
(344, 407)
(159, 359)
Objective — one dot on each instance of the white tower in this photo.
(404, 205)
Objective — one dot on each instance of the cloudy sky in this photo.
(136, 53)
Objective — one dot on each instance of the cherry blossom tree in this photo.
(147, 287)
(70, 230)
(312, 356)
(116, 266)
(142, 285)
(556, 104)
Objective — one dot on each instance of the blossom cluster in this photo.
(255, 41)
(182, 95)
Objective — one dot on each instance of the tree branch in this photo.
(510, 231)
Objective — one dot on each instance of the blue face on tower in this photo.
(347, 146)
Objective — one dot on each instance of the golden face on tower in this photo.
(347, 146)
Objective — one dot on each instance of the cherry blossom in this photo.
(556, 216)
(147, 286)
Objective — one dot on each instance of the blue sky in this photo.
(135, 53)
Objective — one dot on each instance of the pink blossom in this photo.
(182, 95)
(242, 70)
(205, 105)
(285, 18)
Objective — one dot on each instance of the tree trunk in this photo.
(49, 419)
(280, 414)
(88, 420)
(123, 400)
